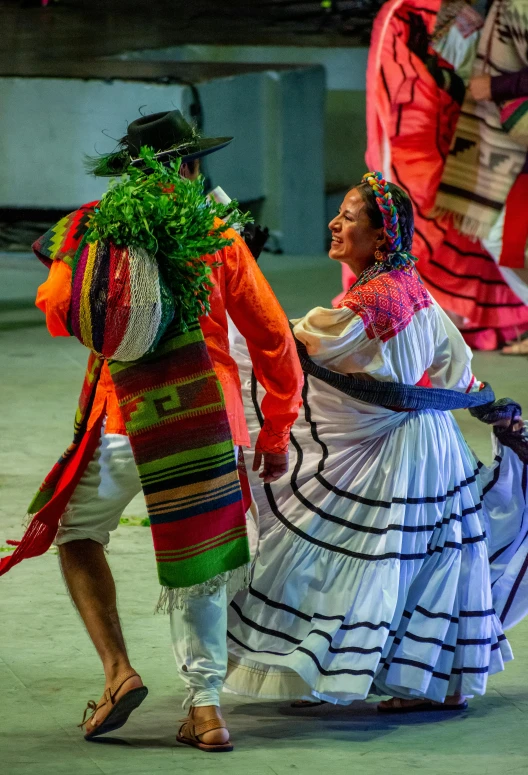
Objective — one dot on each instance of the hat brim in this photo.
(202, 147)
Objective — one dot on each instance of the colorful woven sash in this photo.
(174, 413)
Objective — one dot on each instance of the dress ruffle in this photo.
(373, 572)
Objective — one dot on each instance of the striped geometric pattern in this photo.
(514, 118)
(120, 304)
(484, 159)
(173, 408)
(63, 239)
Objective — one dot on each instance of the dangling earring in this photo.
(378, 255)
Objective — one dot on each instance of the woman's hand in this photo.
(275, 465)
(517, 424)
(480, 88)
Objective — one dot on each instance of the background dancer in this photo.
(412, 113)
(486, 177)
(419, 55)
(373, 571)
(484, 162)
(152, 413)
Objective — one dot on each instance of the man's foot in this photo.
(204, 728)
(396, 705)
(119, 699)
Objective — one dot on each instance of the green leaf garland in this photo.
(173, 220)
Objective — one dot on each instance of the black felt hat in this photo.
(168, 133)
(171, 136)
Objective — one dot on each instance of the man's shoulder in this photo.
(236, 253)
(228, 232)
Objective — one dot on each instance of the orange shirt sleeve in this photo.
(259, 317)
(53, 298)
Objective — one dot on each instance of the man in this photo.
(109, 479)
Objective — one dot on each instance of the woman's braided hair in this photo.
(388, 206)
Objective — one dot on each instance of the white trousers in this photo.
(199, 631)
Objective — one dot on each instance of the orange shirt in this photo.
(240, 290)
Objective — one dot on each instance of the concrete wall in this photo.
(346, 138)
(345, 69)
(47, 125)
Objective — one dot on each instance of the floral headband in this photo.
(387, 208)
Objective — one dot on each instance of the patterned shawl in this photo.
(173, 407)
(484, 162)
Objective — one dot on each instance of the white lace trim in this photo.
(234, 580)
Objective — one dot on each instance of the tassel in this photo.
(234, 581)
(36, 540)
(465, 224)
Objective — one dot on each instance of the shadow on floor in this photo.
(253, 723)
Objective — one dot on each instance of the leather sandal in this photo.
(121, 709)
(190, 733)
(397, 705)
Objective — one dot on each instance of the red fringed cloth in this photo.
(57, 488)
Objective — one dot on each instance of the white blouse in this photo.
(429, 343)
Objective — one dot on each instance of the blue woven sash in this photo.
(394, 395)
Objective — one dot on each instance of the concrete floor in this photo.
(48, 669)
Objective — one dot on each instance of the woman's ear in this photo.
(381, 239)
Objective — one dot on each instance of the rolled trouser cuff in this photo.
(201, 698)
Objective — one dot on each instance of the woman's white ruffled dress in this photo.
(390, 559)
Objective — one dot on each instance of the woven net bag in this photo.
(120, 306)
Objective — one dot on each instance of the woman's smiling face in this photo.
(354, 238)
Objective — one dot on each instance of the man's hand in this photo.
(275, 465)
(480, 88)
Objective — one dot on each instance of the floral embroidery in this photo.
(388, 303)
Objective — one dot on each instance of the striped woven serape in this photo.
(173, 408)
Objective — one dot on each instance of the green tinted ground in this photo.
(48, 669)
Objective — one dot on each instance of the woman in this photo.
(486, 164)
(412, 111)
(413, 92)
(372, 573)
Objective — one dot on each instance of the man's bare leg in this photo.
(92, 589)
